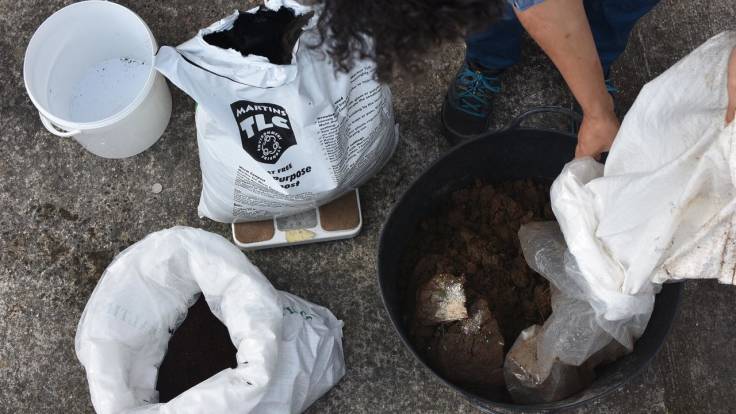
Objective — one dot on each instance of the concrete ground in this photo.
(65, 213)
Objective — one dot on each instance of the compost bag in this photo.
(279, 129)
(661, 209)
(289, 351)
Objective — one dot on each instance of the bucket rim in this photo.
(114, 118)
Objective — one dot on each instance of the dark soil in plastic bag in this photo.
(198, 349)
(267, 33)
(471, 244)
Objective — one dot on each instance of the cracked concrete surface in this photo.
(65, 213)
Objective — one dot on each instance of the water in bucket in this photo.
(107, 88)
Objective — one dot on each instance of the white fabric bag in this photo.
(273, 139)
(289, 351)
(661, 209)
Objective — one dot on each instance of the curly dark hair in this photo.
(402, 30)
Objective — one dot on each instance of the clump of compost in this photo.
(470, 293)
(198, 349)
(268, 33)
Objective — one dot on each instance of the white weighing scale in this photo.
(339, 219)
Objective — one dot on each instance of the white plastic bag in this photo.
(661, 209)
(278, 139)
(289, 351)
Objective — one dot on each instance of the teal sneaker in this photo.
(467, 107)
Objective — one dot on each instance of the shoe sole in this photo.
(454, 137)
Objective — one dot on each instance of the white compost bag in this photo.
(661, 209)
(274, 139)
(289, 351)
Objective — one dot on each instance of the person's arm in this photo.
(562, 30)
(731, 110)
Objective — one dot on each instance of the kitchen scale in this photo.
(336, 220)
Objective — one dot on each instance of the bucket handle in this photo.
(575, 118)
(52, 128)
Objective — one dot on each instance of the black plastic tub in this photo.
(511, 154)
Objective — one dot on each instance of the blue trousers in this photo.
(611, 21)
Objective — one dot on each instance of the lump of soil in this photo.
(475, 237)
(268, 33)
(441, 299)
(470, 352)
(199, 349)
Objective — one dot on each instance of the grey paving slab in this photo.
(65, 213)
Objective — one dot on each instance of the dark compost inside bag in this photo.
(268, 33)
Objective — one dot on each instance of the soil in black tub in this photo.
(198, 349)
(469, 292)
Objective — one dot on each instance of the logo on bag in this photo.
(265, 130)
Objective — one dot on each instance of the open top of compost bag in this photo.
(264, 32)
(255, 48)
(289, 351)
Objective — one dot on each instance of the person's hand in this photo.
(562, 29)
(731, 109)
(596, 134)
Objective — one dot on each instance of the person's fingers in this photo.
(596, 135)
(582, 151)
(578, 152)
(599, 154)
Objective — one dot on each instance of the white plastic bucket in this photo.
(89, 71)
